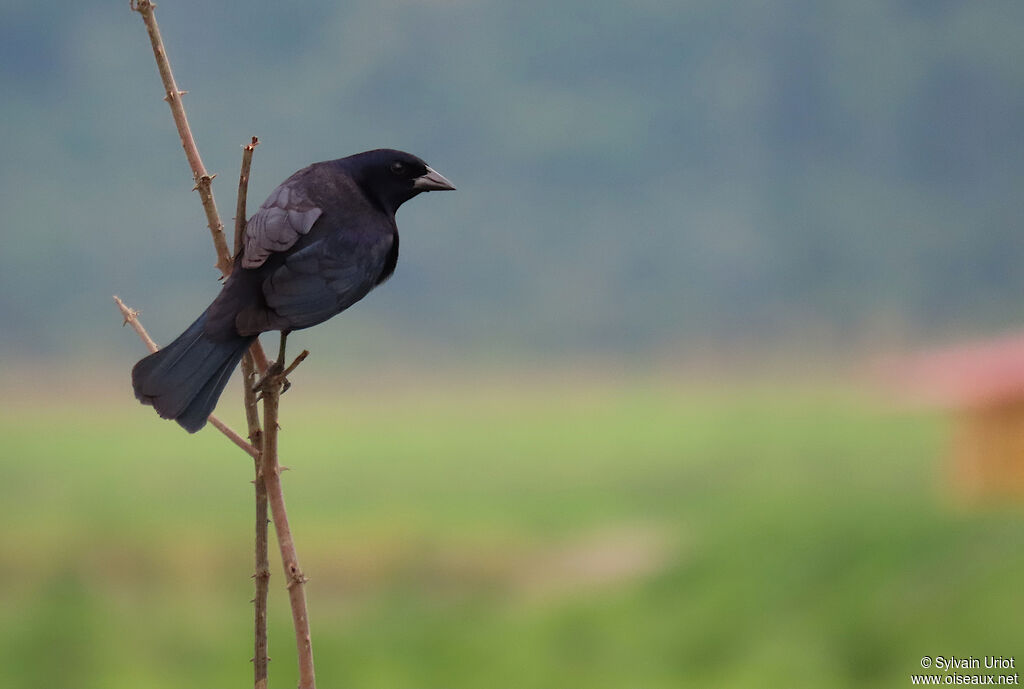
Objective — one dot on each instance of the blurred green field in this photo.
(537, 534)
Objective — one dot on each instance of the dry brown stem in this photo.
(243, 192)
(202, 178)
(295, 364)
(261, 574)
(131, 317)
(271, 389)
(269, 467)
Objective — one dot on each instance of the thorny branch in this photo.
(261, 574)
(131, 317)
(243, 193)
(271, 389)
(202, 178)
(269, 468)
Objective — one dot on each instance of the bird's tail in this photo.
(184, 379)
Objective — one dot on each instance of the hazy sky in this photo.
(633, 177)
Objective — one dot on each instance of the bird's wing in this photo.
(284, 217)
(326, 277)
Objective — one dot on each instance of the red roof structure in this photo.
(982, 383)
(989, 372)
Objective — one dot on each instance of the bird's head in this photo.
(393, 177)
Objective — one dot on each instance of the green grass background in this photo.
(802, 538)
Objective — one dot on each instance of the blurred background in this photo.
(610, 424)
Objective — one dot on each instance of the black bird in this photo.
(319, 243)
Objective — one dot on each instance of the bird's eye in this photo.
(398, 167)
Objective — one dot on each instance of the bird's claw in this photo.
(272, 373)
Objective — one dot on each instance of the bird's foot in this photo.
(272, 376)
(277, 374)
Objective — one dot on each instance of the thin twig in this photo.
(131, 317)
(295, 364)
(259, 358)
(293, 573)
(243, 193)
(233, 436)
(202, 178)
(261, 574)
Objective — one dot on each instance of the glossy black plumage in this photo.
(320, 242)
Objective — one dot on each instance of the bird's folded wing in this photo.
(323, 279)
(284, 217)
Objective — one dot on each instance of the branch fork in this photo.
(262, 445)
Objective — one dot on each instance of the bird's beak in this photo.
(432, 181)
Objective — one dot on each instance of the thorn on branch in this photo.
(205, 181)
(171, 95)
(297, 579)
(130, 316)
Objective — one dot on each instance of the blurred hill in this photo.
(633, 177)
